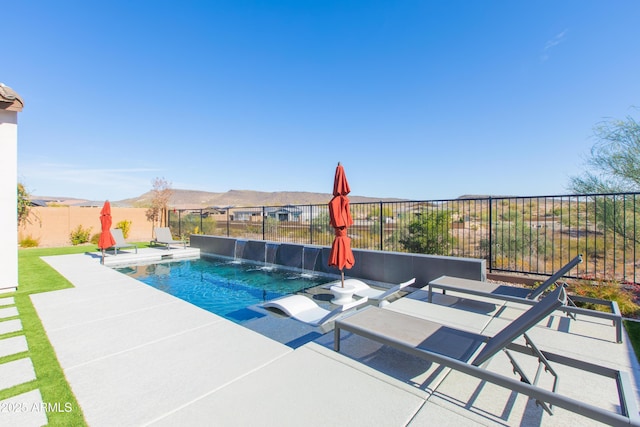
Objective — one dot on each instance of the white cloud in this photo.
(70, 180)
(551, 43)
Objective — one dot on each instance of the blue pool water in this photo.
(222, 286)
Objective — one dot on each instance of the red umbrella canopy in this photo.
(106, 239)
(341, 255)
(340, 183)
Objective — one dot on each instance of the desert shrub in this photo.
(125, 226)
(513, 240)
(321, 223)
(270, 226)
(253, 228)
(29, 242)
(209, 225)
(80, 235)
(611, 291)
(509, 215)
(428, 233)
(95, 238)
(189, 223)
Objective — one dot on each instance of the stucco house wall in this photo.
(10, 105)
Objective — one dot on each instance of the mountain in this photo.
(192, 199)
(238, 198)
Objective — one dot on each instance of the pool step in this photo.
(149, 255)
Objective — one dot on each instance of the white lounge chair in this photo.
(305, 310)
(381, 297)
(120, 241)
(163, 236)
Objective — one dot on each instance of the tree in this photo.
(322, 223)
(374, 214)
(615, 159)
(161, 193)
(24, 205)
(428, 233)
(513, 239)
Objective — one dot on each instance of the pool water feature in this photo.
(238, 250)
(309, 258)
(222, 286)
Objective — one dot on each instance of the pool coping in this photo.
(136, 356)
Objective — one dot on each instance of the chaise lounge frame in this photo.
(530, 297)
(413, 335)
(121, 243)
(164, 237)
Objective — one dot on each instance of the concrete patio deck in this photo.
(135, 356)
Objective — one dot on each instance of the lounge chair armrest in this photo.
(355, 303)
(397, 288)
(537, 292)
(342, 309)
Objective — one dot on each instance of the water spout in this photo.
(238, 251)
(270, 252)
(309, 258)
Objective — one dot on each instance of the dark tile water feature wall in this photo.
(388, 267)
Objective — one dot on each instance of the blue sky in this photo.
(418, 99)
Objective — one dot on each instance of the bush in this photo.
(125, 226)
(611, 291)
(80, 235)
(428, 234)
(95, 239)
(29, 242)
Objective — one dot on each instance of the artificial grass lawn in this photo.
(633, 329)
(36, 276)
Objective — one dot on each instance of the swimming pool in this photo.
(222, 286)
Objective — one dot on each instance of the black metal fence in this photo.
(533, 235)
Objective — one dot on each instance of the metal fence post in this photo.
(490, 234)
(381, 226)
(310, 225)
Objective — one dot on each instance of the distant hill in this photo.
(239, 198)
(192, 199)
(481, 196)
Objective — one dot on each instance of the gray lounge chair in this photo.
(528, 296)
(121, 243)
(163, 236)
(468, 352)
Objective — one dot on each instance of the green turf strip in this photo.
(36, 276)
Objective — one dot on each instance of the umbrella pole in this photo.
(342, 276)
(102, 260)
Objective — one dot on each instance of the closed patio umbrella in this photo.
(341, 255)
(106, 239)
